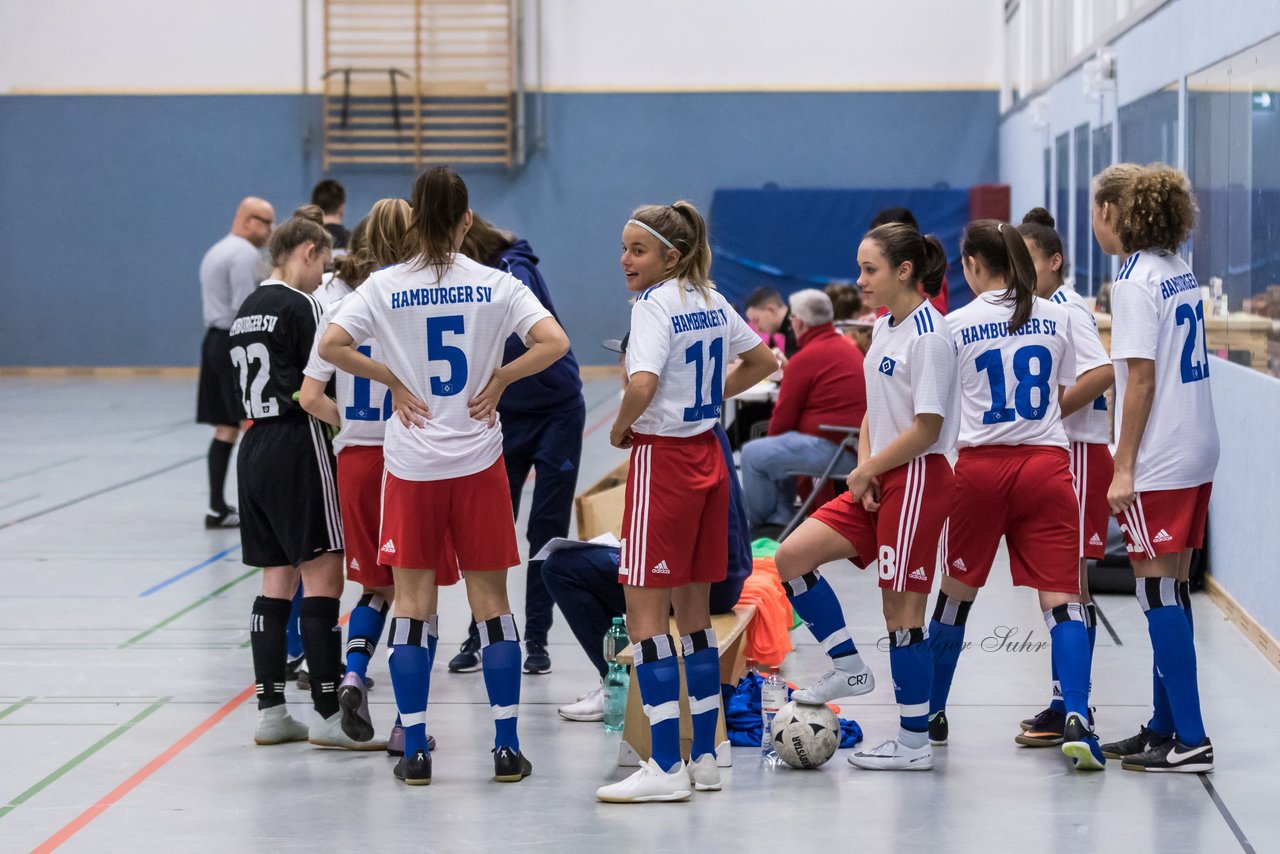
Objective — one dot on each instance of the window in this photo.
(1233, 115)
(1080, 233)
(1100, 264)
(1149, 128)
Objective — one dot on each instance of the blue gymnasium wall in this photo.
(108, 202)
(1242, 517)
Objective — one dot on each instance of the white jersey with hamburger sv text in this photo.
(1092, 424)
(911, 370)
(1157, 314)
(443, 338)
(1009, 381)
(688, 342)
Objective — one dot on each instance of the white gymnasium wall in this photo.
(56, 46)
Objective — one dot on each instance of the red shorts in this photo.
(360, 497)
(463, 524)
(675, 529)
(1165, 521)
(1091, 470)
(904, 535)
(1025, 494)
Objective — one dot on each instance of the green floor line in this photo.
(196, 604)
(92, 749)
(4, 713)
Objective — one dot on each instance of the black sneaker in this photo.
(468, 658)
(510, 766)
(228, 518)
(1028, 723)
(1173, 755)
(1145, 740)
(1080, 745)
(938, 729)
(1045, 729)
(303, 677)
(536, 660)
(414, 770)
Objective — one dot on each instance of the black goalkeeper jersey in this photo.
(271, 340)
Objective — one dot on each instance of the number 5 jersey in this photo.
(1157, 314)
(1009, 379)
(443, 338)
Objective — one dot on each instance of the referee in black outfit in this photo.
(230, 271)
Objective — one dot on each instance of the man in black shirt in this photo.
(768, 313)
(331, 197)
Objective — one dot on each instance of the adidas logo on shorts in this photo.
(919, 574)
(959, 564)
(389, 547)
(1095, 540)
(661, 568)
(355, 565)
(1162, 537)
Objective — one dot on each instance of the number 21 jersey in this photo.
(1009, 380)
(688, 342)
(1157, 314)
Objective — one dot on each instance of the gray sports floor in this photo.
(126, 714)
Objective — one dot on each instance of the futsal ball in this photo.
(805, 736)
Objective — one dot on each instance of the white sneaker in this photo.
(588, 707)
(837, 683)
(893, 755)
(277, 726)
(704, 774)
(649, 784)
(327, 732)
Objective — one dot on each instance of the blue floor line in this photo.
(181, 575)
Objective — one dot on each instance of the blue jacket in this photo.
(559, 384)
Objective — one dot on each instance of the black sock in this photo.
(322, 643)
(266, 637)
(219, 459)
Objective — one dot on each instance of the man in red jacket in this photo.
(823, 384)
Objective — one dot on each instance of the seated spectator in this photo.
(770, 316)
(823, 385)
(584, 583)
(846, 301)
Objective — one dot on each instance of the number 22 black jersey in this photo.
(271, 341)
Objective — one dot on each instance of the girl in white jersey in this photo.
(362, 406)
(1088, 426)
(1013, 478)
(675, 524)
(1166, 440)
(899, 497)
(441, 320)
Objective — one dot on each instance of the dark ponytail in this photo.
(1004, 253)
(1037, 225)
(901, 243)
(440, 202)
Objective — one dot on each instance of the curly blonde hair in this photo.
(1155, 206)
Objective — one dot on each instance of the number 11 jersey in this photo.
(443, 338)
(687, 342)
(1009, 380)
(1157, 314)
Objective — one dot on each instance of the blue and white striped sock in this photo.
(410, 664)
(501, 661)
(658, 674)
(702, 678)
(911, 662)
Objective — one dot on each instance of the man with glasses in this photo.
(230, 271)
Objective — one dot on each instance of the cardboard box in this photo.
(599, 509)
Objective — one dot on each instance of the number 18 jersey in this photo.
(1009, 380)
(687, 341)
(1157, 314)
(443, 338)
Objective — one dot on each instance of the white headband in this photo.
(652, 231)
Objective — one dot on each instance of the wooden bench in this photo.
(730, 634)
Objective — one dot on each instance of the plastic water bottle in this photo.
(773, 696)
(617, 679)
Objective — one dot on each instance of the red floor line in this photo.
(81, 821)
